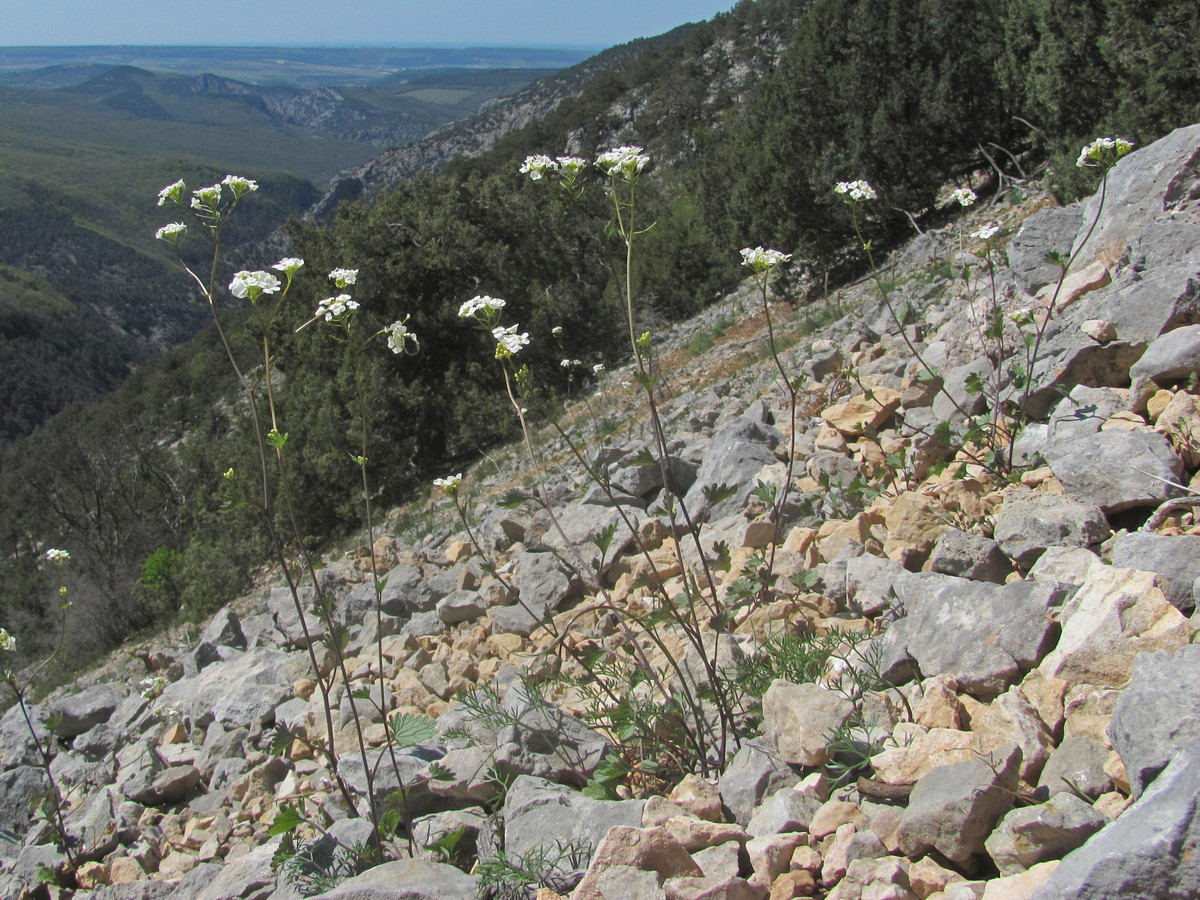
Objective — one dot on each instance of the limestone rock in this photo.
(954, 808)
(1034, 834)
(1116, 614)
(798, 719)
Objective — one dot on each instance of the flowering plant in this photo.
(252, 285)
(855, 191)
(963, 196)
(1103, 152)
(759, 260)
(623, 163)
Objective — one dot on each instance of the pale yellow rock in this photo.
(771, 855)
(835, 533)
(1179, 421)
(1125, 420)
(1157, 403)
(1046, 694)
(851, 417)
(1012, 719)
(175, 734)
(1112, 804)
(92, 875)
(1021, 886)
(914, 523)
(304, 688)
(699, 797)
(124, 870)
(829, 438)
(1088, 710)
(916, 754)
(836, 861)
(1101, 331)
(1114, 768)
(940, 706)
(659, 810)
(834, 813)
(506, 644)
(1116, 614)
(1077, 283)
(926, 877)
(699, 834)
(806, 859)
(457, 551)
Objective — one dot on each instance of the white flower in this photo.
(571, 166)
(986, 233)
(449, 484)
(57, 555)
(963, 196)
(333, 307)
(1103, 151)
(288, 264)
(399, 336)
(206, 197)
(343, 278)
(572, 363)
(172, 232)
(152, 688)
(761, 260)
(597, 368)
(508, 341)
(7, 641)
(855, 190)
(557, 331)
(537, 165)
(239, 185)
(251, 284)
(171, 193)
(623, 162)
(478, 303)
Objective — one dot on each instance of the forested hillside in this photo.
(749, 119)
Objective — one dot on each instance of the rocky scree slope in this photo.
(1038, 738)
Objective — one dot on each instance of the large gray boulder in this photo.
(1034, 834)
(1047, 231)
(539, 814)
(238, 692)
(755, 772)
(1175, 557)
(1173, 357)
(1029, 522)
(736, 454)
(987, 636)
(1157, 714)
(73, 715)
(954, 808)
(1116, 469)
(407, 879)
(1151, 850)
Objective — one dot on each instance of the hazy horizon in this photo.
(325, 23)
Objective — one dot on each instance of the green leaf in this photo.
(285, 820)
(409, 729)
(514, 497)
(716, 493)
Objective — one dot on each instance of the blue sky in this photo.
(341, 22)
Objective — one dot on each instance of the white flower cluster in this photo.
(252, 284)
(761, 260)
(963, 196)
(449, 484)
(343, 278)
(207, 198)
(57, 556)
(625, 163)
(986, 233)
(537, 166)
(399, 336)
(171, 193)
(540, 165)
(1103, 151)
(239, 185)
(509, 341)
(597, 368)
(334, 307)
(572, 363)
(7, 641)
(152, 688)
(171, 232)
(288, 264)
(480, 303)
(854, 191)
